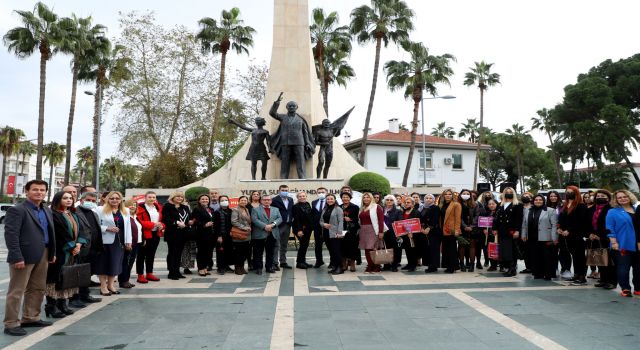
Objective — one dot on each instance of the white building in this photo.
(449, 163)
(26, 171)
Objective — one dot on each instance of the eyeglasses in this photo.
(114, 199)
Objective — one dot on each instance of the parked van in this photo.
(3, 210)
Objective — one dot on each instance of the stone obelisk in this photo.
(291, 71)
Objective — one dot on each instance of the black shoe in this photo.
(318, 264)
(76, 303)
(486, 263)
(492, 268)
(358, 262)
(39, 323)
(330, 267)
(275, 268)
(411, 269)
(90, 299)
(479, 266)
(609, 286)
(394, 269)
(285, 266)
(537, 277)
(15, 331)
(50, 310)
(61, 304)
(337, 271)
(579, 282)
(258, 271)
(386, 267)
(228, 269)
(308, 265)
(526, 271)
(405, 267)
(221, 271)
(463, 268)
(187, 271)
(271, 271)
(182, 276)
(470, 268)
(600, 285)
(172, 277)
(449, 270)
(301, 266)
(430, 270)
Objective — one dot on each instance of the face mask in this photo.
(224, 204)
(571, 195)
(526, 200)
(487, 198)
(89, 205)
(321, 195)
(591, 198)
(508, 196)
(284, 194)
(602, 201)
(465, 197)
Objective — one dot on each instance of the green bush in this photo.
(192, 194)
(370, 182)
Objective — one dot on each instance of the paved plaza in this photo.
(314, 310)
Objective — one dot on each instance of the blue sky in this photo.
(537, 46)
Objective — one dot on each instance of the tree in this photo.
(39, 31)
(423, 72)
(252, 86)
(9, 145)
(336, 70)
(171, 171)
(117, 174)
(481, 75)
(544, 123)
(325, 33)
(77, 42)
(384, 21)
(517, 138)
(442, 130)
(85, 161)
(229, 34)
(54, 155)
(26, 149)
(470, 130)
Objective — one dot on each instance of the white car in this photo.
(3, 210)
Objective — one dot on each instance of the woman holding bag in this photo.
(222, 229)
(331, 221)
(507, 225)
(176, 218)
(371, 220)
(489, 209)
(392, 214)
(349, 242)
(204, 236)
(539, 232)
(450, 221)
(116, 234)
(241, 234)
(599, 239)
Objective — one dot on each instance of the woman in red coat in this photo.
(150, 217)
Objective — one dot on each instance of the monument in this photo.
(291, 72)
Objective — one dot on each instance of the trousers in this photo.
(29, 283)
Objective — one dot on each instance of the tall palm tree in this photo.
(422, 72)
(442, 130)
(544, 123)
(517, 141)
(325, 32)
(77, 42)
(26, 149)
(482, 76)
(384, 21)
(9, 145)
(85, 160)
(54, 155)
(229, 33)
(336, 70)
(470, 130)
(40, 31)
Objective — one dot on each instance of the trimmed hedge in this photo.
(370, 182)
(192, 194)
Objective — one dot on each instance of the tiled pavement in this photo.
(313, 310)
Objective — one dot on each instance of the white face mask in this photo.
(89, 205)
(224, 204)
(321, 195)
(465, 197)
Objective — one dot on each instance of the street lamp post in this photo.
(96, 162)
(424, 137)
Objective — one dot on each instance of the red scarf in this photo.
(594, 219)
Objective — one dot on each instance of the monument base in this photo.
(270, 186)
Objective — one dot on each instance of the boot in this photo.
(237, 270)
(463, 267)
(338, 271)
(470, 267)
(62, 306)
(345, 262)
(243, 271)
(50, 309)
(352, 265)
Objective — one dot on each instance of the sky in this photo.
(538, 47)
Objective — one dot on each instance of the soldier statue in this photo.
(323, 136)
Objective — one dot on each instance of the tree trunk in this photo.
(72, 110)
(4, 168)
(477, 162)
(325, 97)
(632, 170)
(321, 73)
(81, 180)
(556, 159)
(51, 185)
(24, 156)
(573, 170)
(43, 81)
(96, 130)
(365, 132)
(216, 113)
(414, 131)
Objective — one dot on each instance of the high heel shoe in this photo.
(105, 294)
(114, 291)
(62, 306)
(50, 309)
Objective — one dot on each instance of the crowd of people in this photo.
(456, 229)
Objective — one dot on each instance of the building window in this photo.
(457, 160)
(392, 159)
(357, 155)
(428, 160)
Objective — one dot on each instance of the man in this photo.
(150, 216)
(30, 241)
(213, 203)
(316, 210)
(284, 203)
(266, 219)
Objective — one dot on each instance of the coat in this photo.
(90, 222)
(315, 213)
(390, 216)
(336, 220)
(260, 220)
(452, 219)
(147, 224)
(203, 216)
(241, 219)
(65, 243)
(106, 220)
(24, 236)
(303, 218)
(170, 217)
(622, 227)
(285, 212)
(576, 222)
(547, 225)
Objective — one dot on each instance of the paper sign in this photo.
(485, 221)
(403, 227)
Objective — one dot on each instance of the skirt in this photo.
(52, 292)
(368, 237)
(110, 261)
(188, 256)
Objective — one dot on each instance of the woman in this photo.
(589, 200)
(372, 229)
(598, 237)
(469, 211)
(431, 227)
(175, 217)
(331, 221)
(130, 253)
(349, 242)
(450, 222)
(562, 254)
(203, 232)
(392, 214)
(573, 225)
(254, 202)
(623, 223)
(240, 222)
(150, 216)
(507, 225)
(539, 232)
(524, 247)
(302, 228)
(489, 209)
(222, 229)
(116, 235)
(414, 244)
(69, 240)
(481, 246)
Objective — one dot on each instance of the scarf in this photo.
(596, 215)
(373, 214)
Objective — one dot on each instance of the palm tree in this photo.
(544, 123)
(26, 149)
(423, 72)
(324, 33)
(336, 70)
(9, 145)
(39, 31)
(470, 129)
(442, 130)
(77, 42)
(85, 160)
(112, 167)
(517, 140)
(482, 76)
(384, 21)
(229, 34)
(54, 154)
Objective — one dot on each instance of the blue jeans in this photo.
(623, 264)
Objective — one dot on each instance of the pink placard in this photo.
(485, 221)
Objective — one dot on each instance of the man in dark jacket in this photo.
(284, 203)
(316, 208)
(90, 225)
(30, 240)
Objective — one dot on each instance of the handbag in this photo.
(597, 256)
(493, 248)
(74, 276)
(238, 234)
(382, 256)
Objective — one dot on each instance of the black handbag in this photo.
(74, 276)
